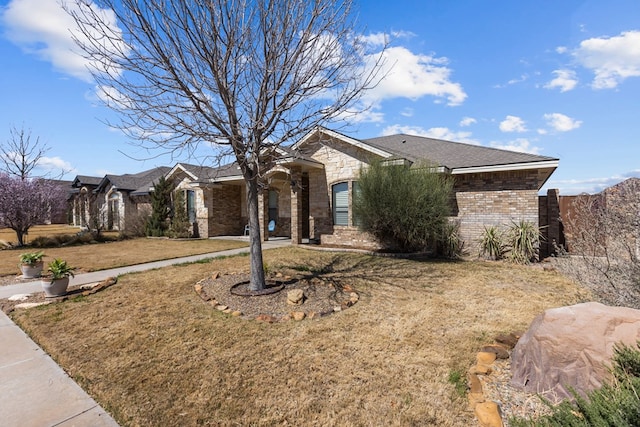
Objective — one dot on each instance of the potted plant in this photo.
(31, 264)
(56, 282)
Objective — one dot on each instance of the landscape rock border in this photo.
(290, 310)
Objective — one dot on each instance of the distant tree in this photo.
(243, 76)
(180, 219)
(21, 153)
(28, 202)
(157, 223)
(402, 206)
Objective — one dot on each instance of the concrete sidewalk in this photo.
(34, 390)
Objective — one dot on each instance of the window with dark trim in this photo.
(340, 203)
(191, 205)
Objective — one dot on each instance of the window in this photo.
(273, 205)
(340, 199)
(191, 205)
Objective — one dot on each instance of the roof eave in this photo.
(545, 164)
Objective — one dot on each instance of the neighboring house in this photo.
(113, 201)
(308, 193)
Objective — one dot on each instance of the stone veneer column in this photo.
(296, 206)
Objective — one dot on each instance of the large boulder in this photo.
(571, 347)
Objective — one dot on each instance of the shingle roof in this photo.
(138, 183)
(206, 173)
(82, 180)
(450, 154)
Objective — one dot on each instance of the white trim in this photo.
(299, 161)
(342, 138)
(508, 167)
(175, 169)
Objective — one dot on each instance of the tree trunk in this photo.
(20, 236)
(257, 281)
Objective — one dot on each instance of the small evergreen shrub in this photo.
(157, 223)
(180, 226)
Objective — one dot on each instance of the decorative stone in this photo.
(488, 414)
(475, 386)
(198, 288)
(347, 288)
(298, 315)
(500, 351)
(295, 297)
(31, 304)
(354, 297)
(312, 315)
(215, 275)
(236, 313)
(266, 318)
(485, 358)
(475, 399)
(571, 347)
(480, 369)
(337, 308)
(221, 307)
(509, 340)
(19, 297)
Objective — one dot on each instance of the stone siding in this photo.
(342, 163)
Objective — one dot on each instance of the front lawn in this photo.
(152, 352)
(100, 256)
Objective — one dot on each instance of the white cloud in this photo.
(364, 115)
(435, 132)
(55, 164)
(561, 123)
(612, 59)
(565, 80)
(561, 49)
(44, 29)
(407, 112)
(520, 144)
(410, 75)
(467, 121)
(512, 124)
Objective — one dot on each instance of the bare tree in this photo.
(243, 75)
(604, 230)
(22, 153)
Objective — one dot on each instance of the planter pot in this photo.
(31, 271)
(56, 288)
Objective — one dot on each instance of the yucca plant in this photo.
(492, 243)
(523, 238)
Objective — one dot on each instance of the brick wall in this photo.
(494, 198)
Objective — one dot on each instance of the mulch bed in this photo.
(322, 297)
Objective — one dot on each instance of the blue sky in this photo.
(555, 78)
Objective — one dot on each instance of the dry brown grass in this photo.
(153, 353)
(9, 235)
(100, 256)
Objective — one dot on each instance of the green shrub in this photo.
(492, 243)
(157, 223)
(450, 244)
(523, 238)
(405, 208)
(180, 226)
(615, 404)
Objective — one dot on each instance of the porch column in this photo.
(263, 201)
(296, 206)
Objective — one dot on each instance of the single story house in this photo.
(309, 192)
(114, 201)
